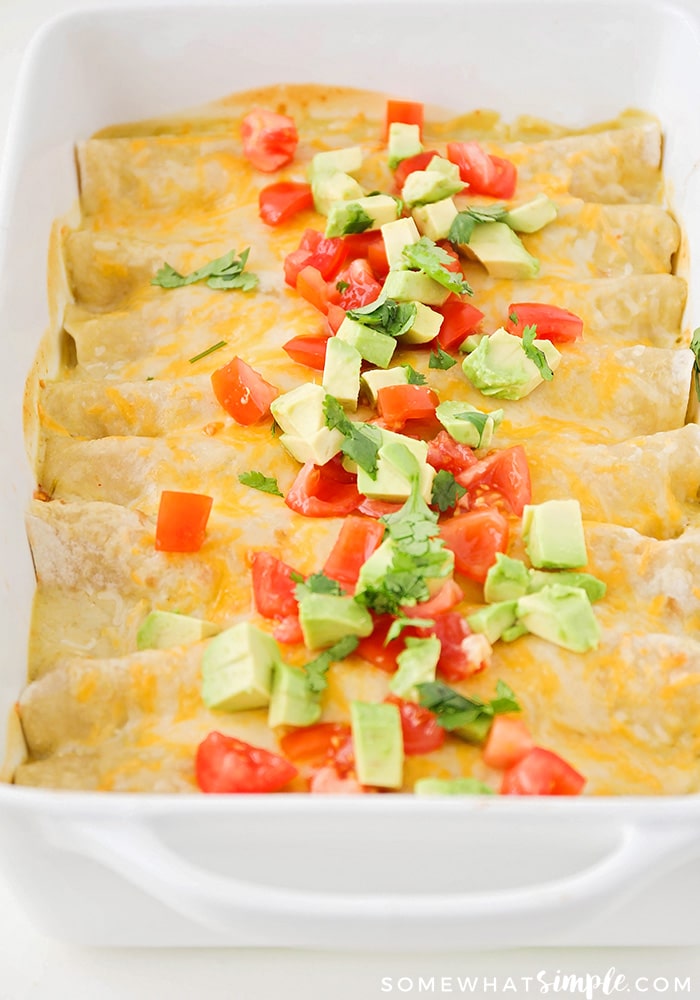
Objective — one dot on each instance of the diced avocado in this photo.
(376, 378)
(562, 615)
(451, 786)
(373, 345)
(237, 669)
(445, 167)
(435, 220)
(378, 743)
(414, 286)
(506, 580)
(326, 618)
(531, 215)
(468, 425)
(499, 366)
(349, 160)
(495, 245)
(425, 186)
(471, 342)
(341, 372)
(374, 569)
(391, 482)
(493, 620)
(553, 534)
(333, 186)
(594, 587)
(164, 629)
(319, 447)
(404, 141)
(426, 326)
(379, 209)
(397, 235)
(417, 664)
(292, 702)
(514, 632)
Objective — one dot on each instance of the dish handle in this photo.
(267, 914)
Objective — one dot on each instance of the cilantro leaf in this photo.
(386, 316)
(224, 272)
(431, 259)
(441, 359)
(463, 223)
(470, 718)
(317, 668)
(475, 418)
(446, 490)
(357, 220)
(362, 441)
(414, 377)
(259, 481)
(402, 622)
(341, 286)
(487, 213)
(695, 348)
(513, 317)
(535, 354)
(317, 583)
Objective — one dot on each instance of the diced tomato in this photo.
(357, 540)
(243, 392)
(269, 140)
(282, 201)
(506, 471)
(459, 319)
(309, 351)
(327, 781)
(446, 453)
(326, 255)
(484, 173)
(273, 587)
(456, 657)
(378, 508)
(312, 287)
(315, 493)
(363, 287)
(377, 650)
(455, 264)
(182, 521)
(422, 733)
(359, 243)
(508, 741)
(447, 596)
(376, 255)
(475, 538)
(398, 403)
(553, 323)
(293, 263)
(320, 745)
(418, 162)
(335, 317)
(288, 630)
(407, 112)
(225, 764)
(542, 772)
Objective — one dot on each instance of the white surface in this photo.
(33, 967)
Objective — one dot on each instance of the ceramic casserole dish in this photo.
(389, 872)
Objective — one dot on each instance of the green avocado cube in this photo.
(424, 186)
(562, 615)
(553, 534)
(404, 141)
(165, 629)
(417, 665)
(426, 325)
(414, 286)
(341, 372)
(331, 187)
(594, 587)
(451, 786)
(300, 411)
(507, 580)
(349, 160)
(499, 366)
(468, 425)
(376, 347)
(531, 215)
(392, 482)
(319, 447)
(326, 618)
(361, 214)
(375, 379)
(435, 220)
(292, 702)
(397, 235)
(237, 669)
(493, 620)
(495, 245)
(378, 743)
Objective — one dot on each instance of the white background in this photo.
(35, 968)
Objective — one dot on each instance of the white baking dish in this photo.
(386, 872)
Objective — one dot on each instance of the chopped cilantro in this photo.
(441, 359)
(431, 259)
(209, 350)
(475, 418)
(224, 272)
(446, 490)
(535, 354)
(259, 481)
(414, 377)
(463, 224)
(386, 316)
(317, 668)
(317, 583)
(470, 718)
(513, 317)
(340, 286)
(362, 441)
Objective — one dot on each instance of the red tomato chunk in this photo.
(475, 538)
(422, 733)
(358, 539)
(273, 586)
(281, 202)
(553, 323)
(484, 173)
(182, 521)
(407, 112)
(542, 772)
(508, 742)
(243, 392)
(269, 140)
(317, 492)
(225, 764)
